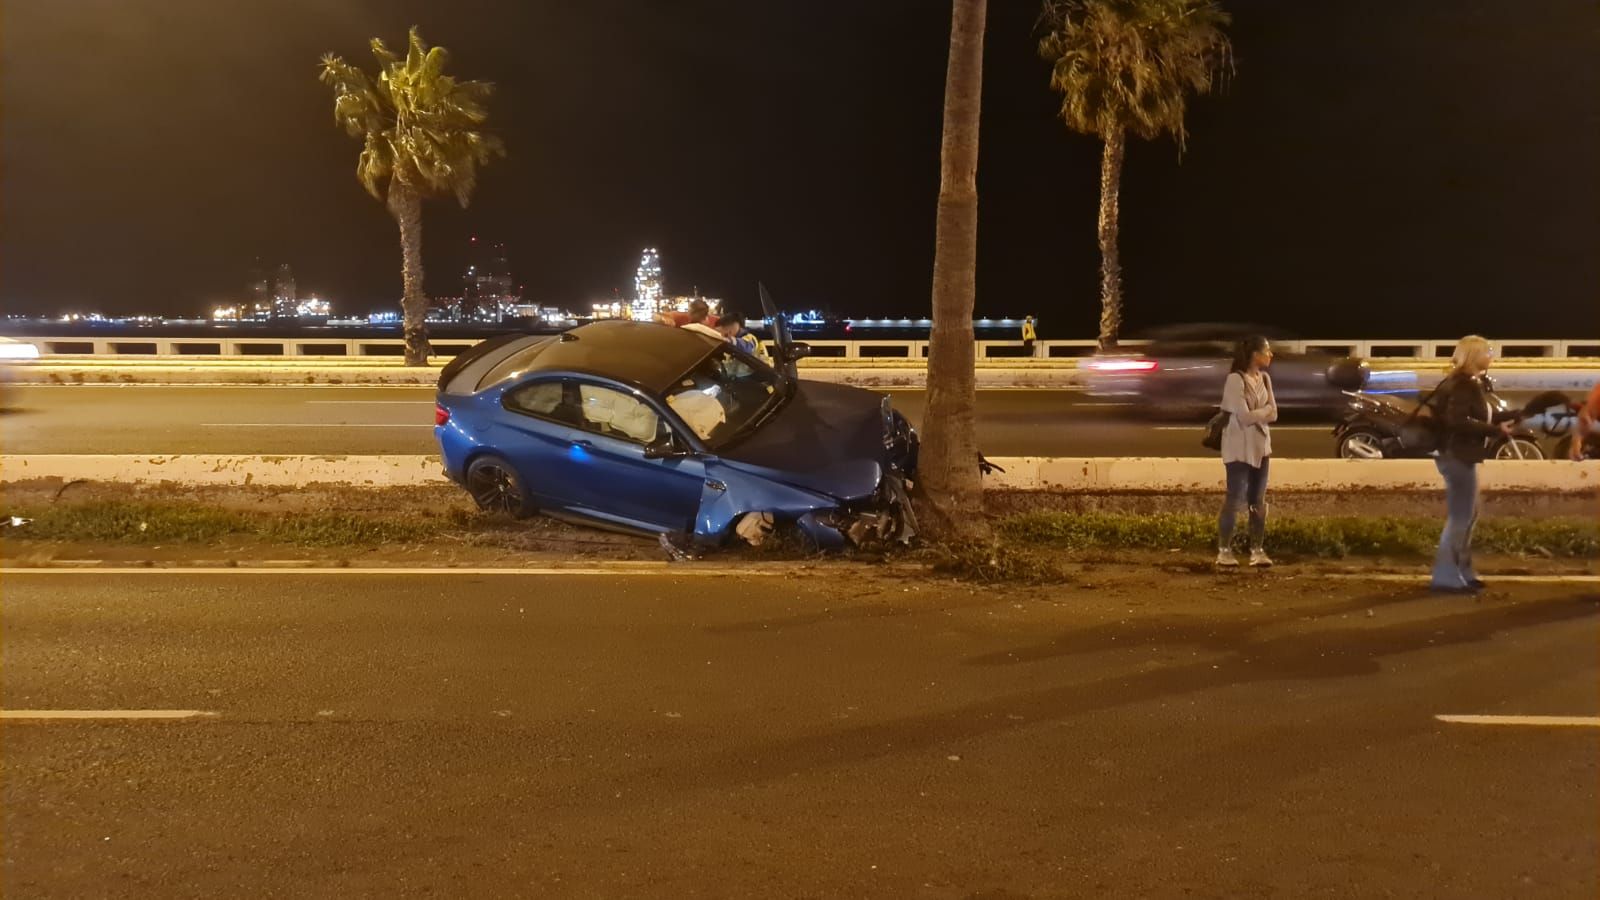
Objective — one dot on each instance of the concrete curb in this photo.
(1053, 474)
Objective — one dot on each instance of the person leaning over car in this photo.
(1467, 423)
(700, 320)
(699, 311)
(732, 328)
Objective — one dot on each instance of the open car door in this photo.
(786, 350)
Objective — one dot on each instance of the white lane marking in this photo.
(654, 569)
(1421, 580)
(996, 389)
(212, 385)
(1564, 721)
(314, 425)
(35, 714)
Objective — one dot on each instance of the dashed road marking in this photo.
(637, 569)
(1421, 580)
(1549, 721)
(48, 714)
(315, 425)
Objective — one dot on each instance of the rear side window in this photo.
(542, 398)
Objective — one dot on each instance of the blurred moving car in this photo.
(659, 430)
(1179, 373)
(12, 351)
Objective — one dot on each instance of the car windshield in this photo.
(727, 394)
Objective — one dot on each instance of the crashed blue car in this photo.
(663, 431)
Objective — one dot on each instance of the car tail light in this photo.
(1122, 365)
(440, 414)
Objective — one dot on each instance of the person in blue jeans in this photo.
(1467, 424)
(1248, 400)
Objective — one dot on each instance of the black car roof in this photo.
(646, 355)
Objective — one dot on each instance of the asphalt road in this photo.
(378, 420)
(673, 736)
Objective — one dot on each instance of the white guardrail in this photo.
(315, 348)
(1151, 475)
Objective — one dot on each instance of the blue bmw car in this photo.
(660, 430)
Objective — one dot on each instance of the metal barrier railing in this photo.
(166, 348)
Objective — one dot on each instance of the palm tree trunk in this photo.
(405, 204)
(1110, 267)
(951, 486)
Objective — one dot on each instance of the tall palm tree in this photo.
(423, 136)
(1130, 66)
(948, 466)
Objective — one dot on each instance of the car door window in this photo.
(612, 413)
(722, 395)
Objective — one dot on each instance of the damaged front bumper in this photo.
(886, 520)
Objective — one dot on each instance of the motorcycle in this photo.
(1386, 427)
(1555, 415)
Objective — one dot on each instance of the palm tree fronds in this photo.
(1133, 64)
(416, 123)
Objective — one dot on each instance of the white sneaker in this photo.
(1260, 559)
(1226, 559)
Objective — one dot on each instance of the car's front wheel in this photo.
(496, 487)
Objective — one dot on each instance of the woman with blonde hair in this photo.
(1467, 424)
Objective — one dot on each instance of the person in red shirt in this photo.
(699, 311)
(1588, 422)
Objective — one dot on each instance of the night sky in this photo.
(1390, 167)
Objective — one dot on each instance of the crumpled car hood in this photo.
(828, 438)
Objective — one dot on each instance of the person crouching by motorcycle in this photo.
(1248, 400)
(1467, 426)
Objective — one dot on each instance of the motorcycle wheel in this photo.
(1361, 443)
(1518, 448)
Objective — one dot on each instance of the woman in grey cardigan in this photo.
(1247, 447)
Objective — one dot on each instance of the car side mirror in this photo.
(798, 350)
(665, 448)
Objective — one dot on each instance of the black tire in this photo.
(1353, 443)
(497, 488)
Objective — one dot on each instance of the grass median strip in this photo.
(167, 522)
(1022, 536)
